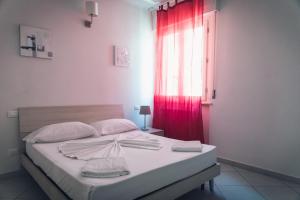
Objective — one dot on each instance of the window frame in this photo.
(209, 23)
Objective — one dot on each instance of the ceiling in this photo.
(146, 3)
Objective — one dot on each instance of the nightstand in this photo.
(155, 131)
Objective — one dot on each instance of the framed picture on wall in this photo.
(121, 56)
(35, 42)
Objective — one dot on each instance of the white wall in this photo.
(256, 116)
(82, 70)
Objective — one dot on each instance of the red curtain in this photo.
(178, 76)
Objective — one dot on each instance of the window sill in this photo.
(207, 103)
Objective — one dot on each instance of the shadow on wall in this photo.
(221, 4)
(75, 5)
(297, 1)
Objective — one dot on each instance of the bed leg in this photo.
(202, 187)
(211, 185)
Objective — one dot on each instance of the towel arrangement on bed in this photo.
(187, 146)
(105, 158)
(102, 148)
(112, 164)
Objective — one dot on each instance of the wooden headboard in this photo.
(32, 118)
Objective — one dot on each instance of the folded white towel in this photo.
(139, 136)
(87, 150)
(140, 140)
(140, 143)
(72, 146)
(105, 167)
(187, 146)
(141, 146)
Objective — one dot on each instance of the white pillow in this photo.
(114, 126)
(61, 132)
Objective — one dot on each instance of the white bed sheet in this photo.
(149, 170)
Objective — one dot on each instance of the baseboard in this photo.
(259, 170)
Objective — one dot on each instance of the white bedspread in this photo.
(149, 170)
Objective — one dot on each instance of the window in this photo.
(209, 22)
(200, 83)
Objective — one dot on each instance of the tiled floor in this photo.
(239, 184)
(232, 184)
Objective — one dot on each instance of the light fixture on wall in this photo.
(92, 10)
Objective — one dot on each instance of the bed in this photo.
(151, 176)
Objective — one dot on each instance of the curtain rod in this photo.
(156, 7)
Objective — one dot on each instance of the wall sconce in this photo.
(92, 10)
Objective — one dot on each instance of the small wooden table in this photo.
(155, 131)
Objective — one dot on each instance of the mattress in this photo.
(149, 170)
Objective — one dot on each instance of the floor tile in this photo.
(226, 168)
(297, 189)
(205, 195)
(277, 193)
(240, 192)
(230, 178)
(256, 179)
(34, 192)
(14, 186)
(291, 184)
